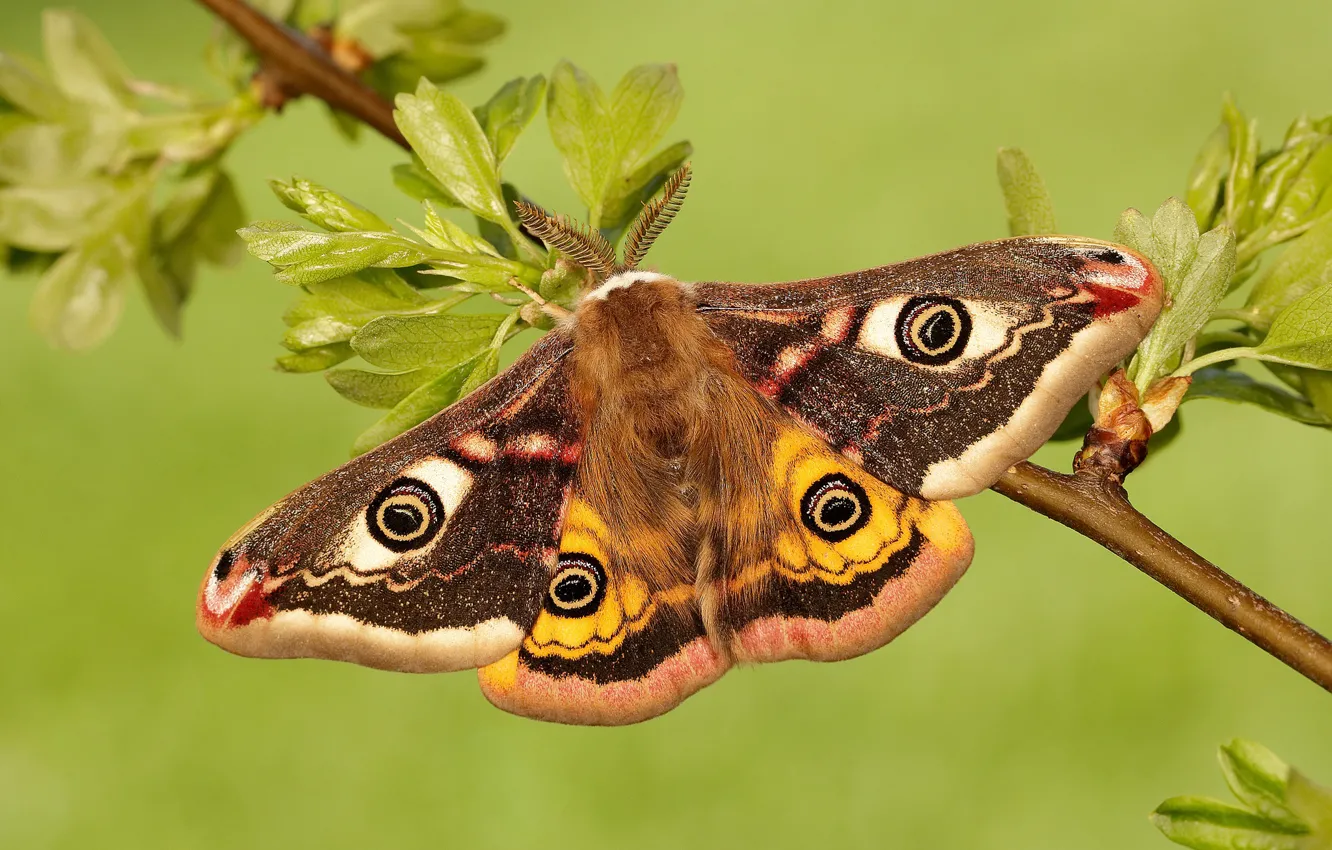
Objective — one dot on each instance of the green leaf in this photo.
(1259, 779)
(1237, 387)
(79, 299)
(30, 90)
(1318, 389)
(1303, 201)
(37, 154)
(580, 125)
(378, 25)
(1026, 199)
(470, 26)
(53, 218)
(315, 360)
(402, 343)
(317, 333)
(607, 145)
(1195, 272)
(304, 256)
(1274, 177)
(1243, 136)
(448, 236)
(1134, 230)
(1206, 824)
(82, 61)
(212, 231)
(420, 405)
(427, 56)
(359, 298)
(414, 181)
(627, 195)
(446, 135)
(1174, 242)
(382, 390)
(326, 208)
(642, 108)
(1208, 176)
(1301, 268)
(509, 111)
(1301, 335)
(166, 293)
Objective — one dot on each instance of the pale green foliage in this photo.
(106, 179)
(1280, 808)
(1026, 199)
(1195, 271)
(392, 297)
(607, 143)
(1248, 201)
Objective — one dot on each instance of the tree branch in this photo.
(304, 68)
(1097, 507)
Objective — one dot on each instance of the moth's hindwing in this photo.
(430, 553)
(939, 373)
(857, 565)
(605, 649)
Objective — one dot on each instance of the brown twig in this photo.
(302, 67)
(1092, 502)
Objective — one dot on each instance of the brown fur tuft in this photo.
(678, 449)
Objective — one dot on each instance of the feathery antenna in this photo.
(584, 245)
(654, 218)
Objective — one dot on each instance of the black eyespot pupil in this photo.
(573, 589)
(403, 520)
(1110, 255)
(837, 510)
(938, 330)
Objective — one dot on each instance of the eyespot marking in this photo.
(406, 515)
(1109, 255)
(834, 508)
(933, 329)
(577, 587)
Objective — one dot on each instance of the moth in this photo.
(682, 477)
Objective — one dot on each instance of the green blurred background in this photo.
(1053, 699)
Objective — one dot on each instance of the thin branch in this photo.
(303, 67)
(1098, 508)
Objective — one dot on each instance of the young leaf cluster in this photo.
(1280, 808)
(416, 303)
(1239, 202)
(107, 179)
